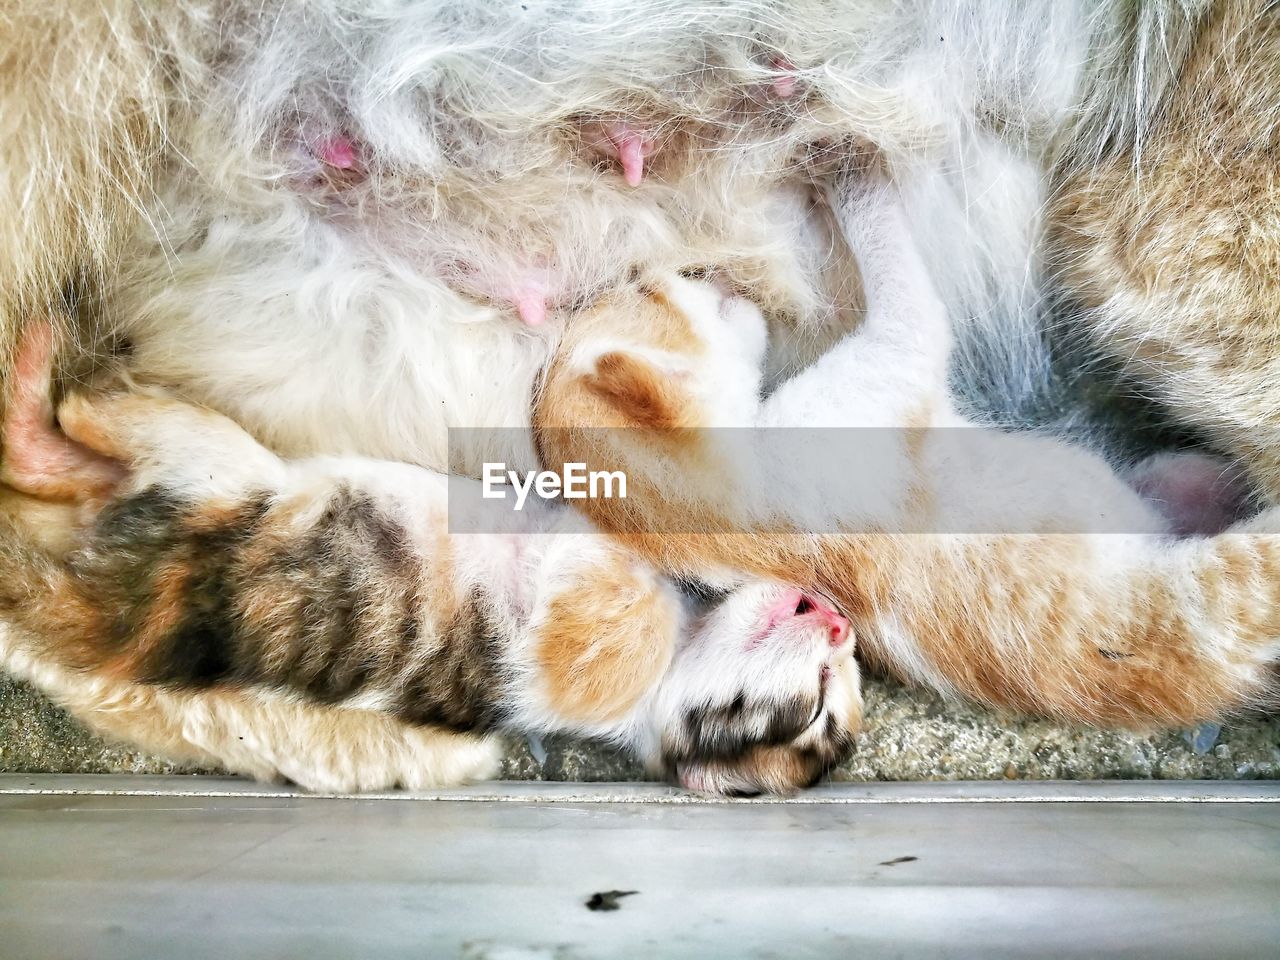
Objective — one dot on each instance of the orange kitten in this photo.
(1011, 568)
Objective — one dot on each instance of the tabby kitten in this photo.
(216, 565)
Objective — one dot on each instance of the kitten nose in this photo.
(808, 605)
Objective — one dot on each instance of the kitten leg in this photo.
(246, 732)
(892, 371)
(1131, 631)
(878, 388)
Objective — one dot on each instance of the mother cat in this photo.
(301, 179)
(1074, 605)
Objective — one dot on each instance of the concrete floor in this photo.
(909, 735)
(115, 867)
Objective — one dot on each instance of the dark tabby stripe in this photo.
(196, 596)
(726, 731)
(754, 744)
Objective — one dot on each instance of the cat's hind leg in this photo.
(269, 738)
(245, 731)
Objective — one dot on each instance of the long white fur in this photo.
(336, 322)
(323, 334)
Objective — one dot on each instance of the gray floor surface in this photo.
(189, 867)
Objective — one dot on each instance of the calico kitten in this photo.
(1012, 568)
(217, 565)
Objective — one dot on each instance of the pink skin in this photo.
(329, 162)
(338, 151)
(1198, 494)
(785, 86)
(37, 459)
(530, 301)
(531, 290)
(633, 149)
(796, 603)
(628, 143)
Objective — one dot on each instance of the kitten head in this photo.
(763, 695)
(672, 353)
(721, 359)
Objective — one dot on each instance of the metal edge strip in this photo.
(831, 794)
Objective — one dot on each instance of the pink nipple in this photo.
(338, 151)
(784, 87)
(530, 301)
(633, 147)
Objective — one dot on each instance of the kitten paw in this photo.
(1198, 494)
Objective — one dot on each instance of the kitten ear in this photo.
(38, 459)
(639, 391)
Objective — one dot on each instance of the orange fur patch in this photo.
(590, 680)
(641, 394)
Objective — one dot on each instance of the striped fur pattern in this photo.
(268, 735)
(173, 159)
(336, 582)
(1171, 256)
